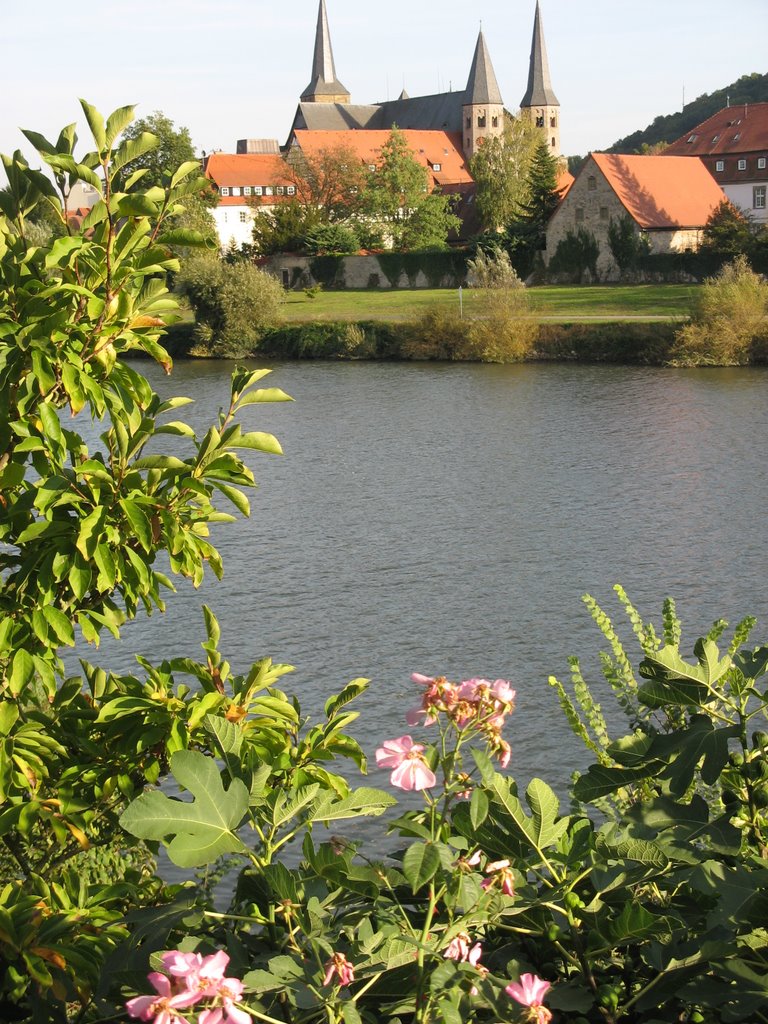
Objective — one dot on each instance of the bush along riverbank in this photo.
(648, 343)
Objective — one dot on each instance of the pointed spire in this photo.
(403, 95)
(324, 81)
(482, 86)
(539, 92)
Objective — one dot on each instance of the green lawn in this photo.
(564, 303)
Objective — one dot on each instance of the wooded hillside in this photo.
(668, 127)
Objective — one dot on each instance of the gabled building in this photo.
(247, 183)
(733, 145)
(667, 199)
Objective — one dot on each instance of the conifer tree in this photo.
(526, 235)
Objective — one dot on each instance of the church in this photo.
(443, 130)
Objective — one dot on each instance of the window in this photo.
(592, 183)
(494, 122)
(268, 190)
(579, 214)
(280, 190)
(737, 136)
(553, 122)
(715, 138)
(693, 138)
(761, 163)
(291, 190)
(603, 213)
(742, 165)
(469, 122)
(540, 121)
(257, 190)
(235, 191)
(552, 142)
(372, 168)
(243, 217)
(437, 167)
(247, 190)
(758, 197)
(224, 190)
(720, 165)
(481, 120)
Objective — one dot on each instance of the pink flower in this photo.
(161, 1008)
(500, 875)
(410, 768)
(459, 949)
(530, 991)
(229, 992)
(341, 967)
(199, 974)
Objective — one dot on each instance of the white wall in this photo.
(741, 195)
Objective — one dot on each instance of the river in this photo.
(448, 518)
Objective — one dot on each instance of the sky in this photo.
(230, 69)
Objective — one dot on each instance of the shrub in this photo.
(728, 321)
(575, 256)
(492, 269)
(234, 304)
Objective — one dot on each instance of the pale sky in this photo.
(230, 69)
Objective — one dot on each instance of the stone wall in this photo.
(354, 272)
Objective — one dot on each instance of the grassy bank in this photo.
(560, 303)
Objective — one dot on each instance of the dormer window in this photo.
(225, 190)
(437, 167)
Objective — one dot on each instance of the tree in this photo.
(285, 228)
(397, 196)
(500, 169)
(729, 317)
(86, 521)
(330, 181)
(727, 234)
(627, 244)
(527, 233)
(172, 149)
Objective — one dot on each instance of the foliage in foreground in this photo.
(729, 320)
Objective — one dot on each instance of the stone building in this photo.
(667, 199)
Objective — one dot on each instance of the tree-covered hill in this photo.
(666, 128)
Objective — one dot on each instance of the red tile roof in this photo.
(236, 170)
(431, 148)
(739, 129)
(662, 191)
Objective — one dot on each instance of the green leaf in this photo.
(361, 801)
(420, 864)
(544, 805)
(117, 122)
(478, 807)
(204, 829)
(263, 395)
(96, 124)
(256, 440)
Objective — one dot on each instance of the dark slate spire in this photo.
(324, 81)
(539, 92)
(482, 87)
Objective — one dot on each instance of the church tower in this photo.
(483, 109)
(324, 86)
(540, 105)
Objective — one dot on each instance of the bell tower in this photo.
(324, 86)
(540, 105)
(483, 109)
